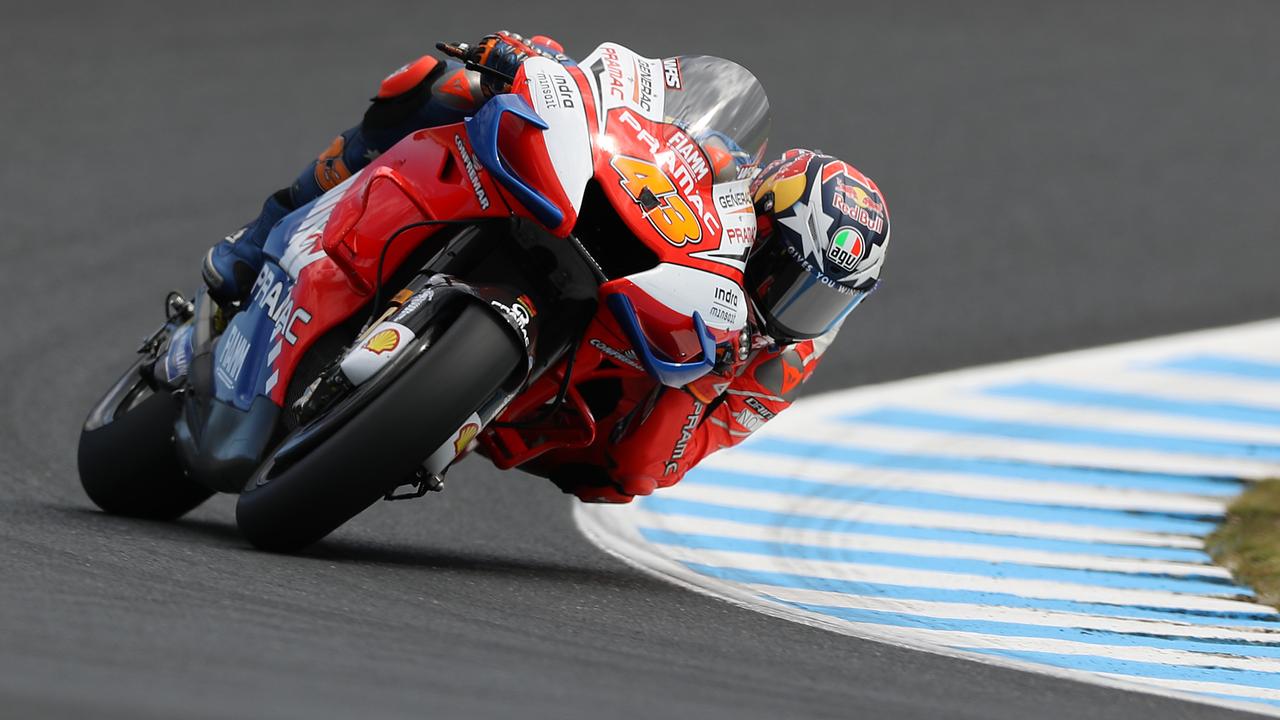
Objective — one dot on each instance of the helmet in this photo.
(823, 252)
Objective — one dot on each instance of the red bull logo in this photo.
(859, 196)
(856, 203)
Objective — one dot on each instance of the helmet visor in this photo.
(799, 305)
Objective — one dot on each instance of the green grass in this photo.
(1248, 541)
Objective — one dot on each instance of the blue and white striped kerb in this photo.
(1047, 514)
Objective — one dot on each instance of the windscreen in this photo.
(722, 106)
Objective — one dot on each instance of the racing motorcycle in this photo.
(486, 286)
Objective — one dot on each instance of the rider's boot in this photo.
(231, 266)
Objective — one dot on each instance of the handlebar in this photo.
(467, 54)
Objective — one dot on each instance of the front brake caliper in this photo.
(321, 395)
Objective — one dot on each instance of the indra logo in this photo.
(846, 248)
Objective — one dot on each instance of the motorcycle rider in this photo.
(822, 232)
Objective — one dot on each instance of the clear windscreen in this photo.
(722, 106)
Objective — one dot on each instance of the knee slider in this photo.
(343, 156)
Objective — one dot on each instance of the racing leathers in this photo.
(672, 430)
(667, 431)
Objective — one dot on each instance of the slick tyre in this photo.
(128, 465)
(285, 509)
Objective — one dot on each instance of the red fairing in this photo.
(686, 425)
(524, 147)
(660, 161)
(430, 175)
(424, 177)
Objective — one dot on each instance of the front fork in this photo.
(408, 326)
(537, 284)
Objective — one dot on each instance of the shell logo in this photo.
(383, 341)
(465, 436)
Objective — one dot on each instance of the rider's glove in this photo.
(731, 356)
(500, 54)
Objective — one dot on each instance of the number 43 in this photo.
(656, 195)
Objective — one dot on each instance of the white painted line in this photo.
(980, 641)
(1091, 574)
(1208, 687)
(1093, 417)
(984, 446)
(1024, 491)
(870, 511)
(614, 534)
(1191, 387)
(922, 548)
(1047, 618)
(884, 575)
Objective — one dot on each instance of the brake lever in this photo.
(455, 50)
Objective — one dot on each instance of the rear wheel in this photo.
(286, 508)
(128, 464)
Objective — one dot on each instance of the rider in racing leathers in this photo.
(823, 230)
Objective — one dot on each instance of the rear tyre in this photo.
(286, 509)
(128, 464)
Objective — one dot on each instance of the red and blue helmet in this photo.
(822, 247)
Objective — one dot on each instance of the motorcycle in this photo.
(486, 287)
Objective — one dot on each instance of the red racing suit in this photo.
(675, 429)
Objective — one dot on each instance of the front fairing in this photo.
(656, 176)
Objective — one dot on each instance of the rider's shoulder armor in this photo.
(406, 78)
(425, 93)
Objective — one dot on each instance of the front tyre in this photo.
(286, 509)
(128, 464)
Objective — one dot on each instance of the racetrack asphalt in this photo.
(1059, 176)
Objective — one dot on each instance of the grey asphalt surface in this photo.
(1060, 175)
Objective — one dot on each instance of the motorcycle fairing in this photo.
(685, 217)
(541, 146)
(557, 96)
(323, 258)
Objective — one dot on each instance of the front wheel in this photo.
(128, 464)
(284, 509)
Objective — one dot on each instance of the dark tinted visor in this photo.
(799, 305)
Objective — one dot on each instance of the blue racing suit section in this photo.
(446, 93)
